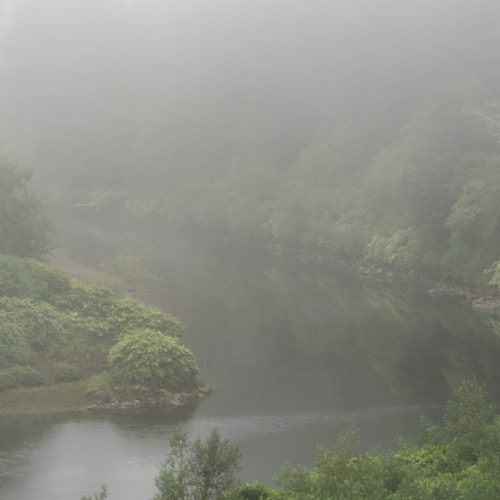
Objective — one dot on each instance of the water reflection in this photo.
(290, 335)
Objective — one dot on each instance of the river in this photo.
(295, 354)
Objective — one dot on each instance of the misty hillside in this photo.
(367, 130)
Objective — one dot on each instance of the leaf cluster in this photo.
(151, 358)
(23, 223)
(198, 470)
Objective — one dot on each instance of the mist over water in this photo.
(295, 355)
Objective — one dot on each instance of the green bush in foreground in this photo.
(151, 358)
(102, 494)
(199, 470)
(458, 459)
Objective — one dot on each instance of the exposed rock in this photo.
(487, 305)
(204, 389)
(438, 292)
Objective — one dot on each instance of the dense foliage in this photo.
(151, 358)
(111, 315)
(30, 278)
(457, 459)
(424, 196)
(53, 331)
(198, 470)
(23, 224)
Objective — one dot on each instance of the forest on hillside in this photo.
(354, 130)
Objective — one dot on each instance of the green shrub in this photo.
(254, 491)
(111, 316)
(132, 315)
(17, 376)
(65, 372)
(399, 250)
(95, 302)
(25, 376)
(14, 347)
(31, 278)
(102, 494)
(6, 381)
(41, 323)
(149, 357)
(457, 459)
(99, 386)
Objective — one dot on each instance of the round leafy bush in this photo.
(151, 358)
(65, 372)
(254, 491)
(25, 376)
(6, 381)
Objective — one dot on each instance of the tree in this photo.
(23, 223)
(102, 494)
(198, 470)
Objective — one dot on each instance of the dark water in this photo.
(295, 353)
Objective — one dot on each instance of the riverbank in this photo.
(482, 300)
(74, 397)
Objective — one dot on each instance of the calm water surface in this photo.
(295, 354)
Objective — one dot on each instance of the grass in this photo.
(46, 399)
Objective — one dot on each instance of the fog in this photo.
(108, 86)
(311, 186)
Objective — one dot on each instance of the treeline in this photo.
(421, 195)
(349, 130)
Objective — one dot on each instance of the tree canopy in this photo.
(23, 223)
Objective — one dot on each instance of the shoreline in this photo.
(482, 300)
(71, 398)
